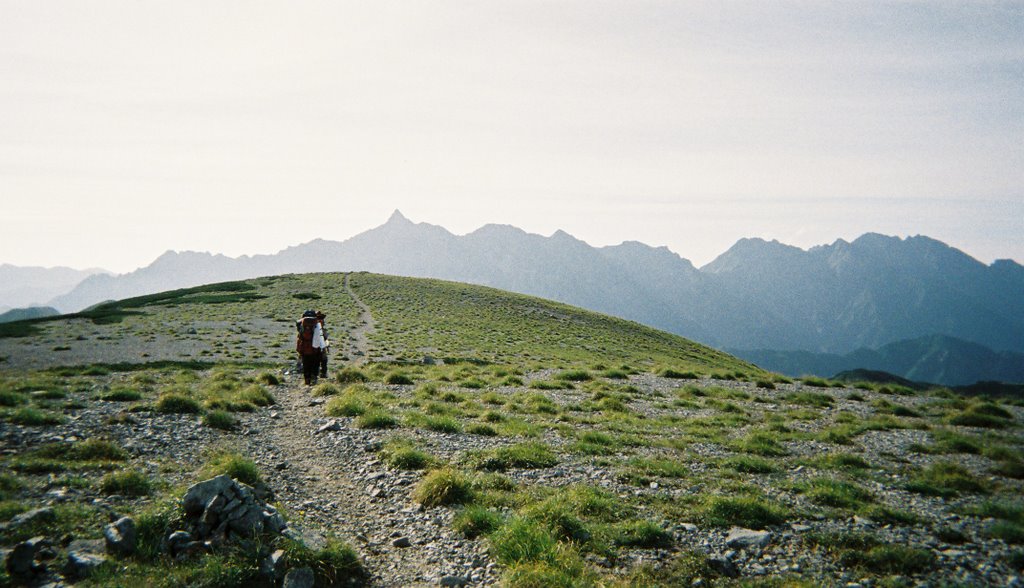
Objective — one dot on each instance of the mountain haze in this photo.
(935, 358)
(32, 286)
(758, 295)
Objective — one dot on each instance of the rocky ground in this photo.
(329, 478)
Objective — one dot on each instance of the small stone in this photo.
(121, 536)
(176, 540)
(402, 542)
(299, 578)
(199, 495)
(688, 527)
(739, 538)
(316, 401)
(21, 561)
(81, 564)
(453, 581)
(43, 516)
(724, 566)
(332, 425)
(86, 545)
(272, 566)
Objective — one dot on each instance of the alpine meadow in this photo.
(470, 436)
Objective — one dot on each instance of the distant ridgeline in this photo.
(934, 359)
(20, 314)
(834, 299)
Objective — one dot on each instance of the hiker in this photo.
(308, 343)
(320, 316)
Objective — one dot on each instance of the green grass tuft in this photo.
(127, 483)
(749, 512)
(945, 479)
(233, 465)
(351, 375)
(443, 487)
(33, 417)
(219, 419)
(474, 521)
(376, 419)
(177, 404)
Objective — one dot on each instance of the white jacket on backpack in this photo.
(318, 337)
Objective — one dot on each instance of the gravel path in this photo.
(329, 479)
(359, 336)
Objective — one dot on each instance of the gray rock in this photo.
(249, 523)
(402, 542)
(43, 516)
(121, 536)
(80, 564)
(21, 560)
(299, 578)
(87, 546)
(453, 581)
(739, 538)
(192, 548)
(724, 566)
(176, 540)
(272, 566)
(332, 425)
(200, 494)
(274, 522)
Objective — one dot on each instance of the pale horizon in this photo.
(130, 129)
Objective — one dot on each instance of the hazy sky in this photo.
(130, 128)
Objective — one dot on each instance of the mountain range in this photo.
(832, 299)
(933, 358)
(22, 287)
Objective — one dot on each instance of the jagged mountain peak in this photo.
(397, 218)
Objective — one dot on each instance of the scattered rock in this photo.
(21, 560)
(453, 581)
(402, 542)
(97, 546)
(80, 564)
(332, 425)
(299, 578)
(272, 566)
(42, 516)
(739, 538)
(121, 536)
(221, 509)
(724, 566)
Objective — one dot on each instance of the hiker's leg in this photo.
(323, 364)
(309, 365)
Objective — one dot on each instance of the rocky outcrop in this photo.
(222, 509)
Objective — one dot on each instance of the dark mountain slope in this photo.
(934, 358)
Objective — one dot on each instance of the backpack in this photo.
(304, 340)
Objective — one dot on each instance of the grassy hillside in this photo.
(507, 439)
(252, 321)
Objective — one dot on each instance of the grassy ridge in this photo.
(252, 321)
(419, 317)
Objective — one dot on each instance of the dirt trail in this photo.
(328, 480)
(359, 337)
(333, 481)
